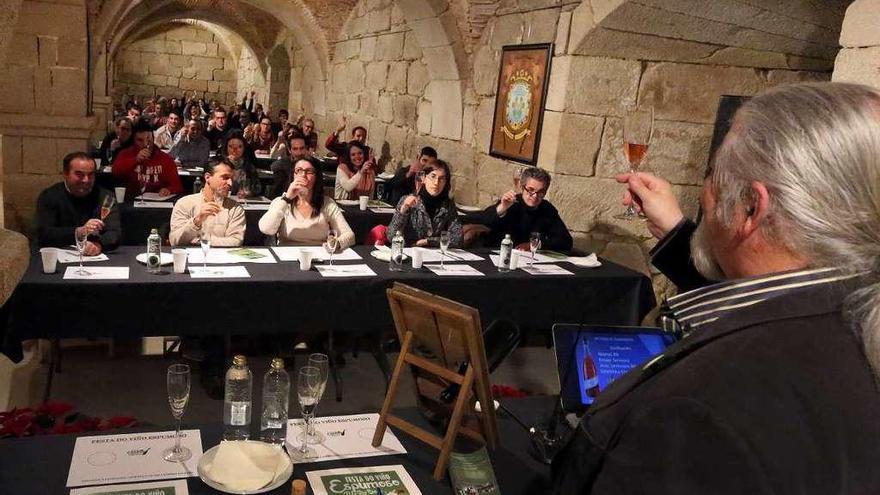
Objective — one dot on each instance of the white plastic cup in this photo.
(120, 194)
(179, 260)
(363, 201)
(50, 259)
(417, 258)
(305, 260)
(514, 258)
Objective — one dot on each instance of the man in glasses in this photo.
(519, 213)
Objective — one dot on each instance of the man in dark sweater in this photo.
(76, 204)
(519, 213)
(404, 181)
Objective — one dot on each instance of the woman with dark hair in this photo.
(302, 215)
(356, 173)
(246, 181)
(422, 216)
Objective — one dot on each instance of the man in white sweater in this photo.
(209, 212)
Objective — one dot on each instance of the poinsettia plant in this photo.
(54, 417)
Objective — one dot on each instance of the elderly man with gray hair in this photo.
(774, 388)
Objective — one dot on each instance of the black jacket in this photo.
(774, 398)
(519, 221)
(59, 214)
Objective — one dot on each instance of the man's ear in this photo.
(756, 209)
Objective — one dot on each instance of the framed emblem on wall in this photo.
(519, 102)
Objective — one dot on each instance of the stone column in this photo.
(859, 58)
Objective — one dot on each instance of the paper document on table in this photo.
(383, 210)
(548, 257)
(432, 255)
(256, 206)
(218, 272)
(154, 196)
(105, 459)
(454, 270)
(337, 271)
(590, 261)
(345, 437)
(545, 269)
(230, 256)
(71, 256)
(393, 480)
(170, 487)
(154, 204)
(291, 253)
(97, 273)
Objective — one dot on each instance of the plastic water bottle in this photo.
(197, 185)
(237, 402)
(504, 258)
(396, 261)
(154, 252)
(276, 397)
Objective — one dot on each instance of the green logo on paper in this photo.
(364, 484)
(165, 490)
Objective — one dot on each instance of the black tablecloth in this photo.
(40, 465)
(279, 298)
(137, 222)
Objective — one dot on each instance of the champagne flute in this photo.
(307, 387)
(517, 177)
(534, 245)
(420, 181)
(322, 363)
(178, 382)
(205, 242)
(444, 245)
(81, 238)
(106, 206)
(638, 129)
(332, 243)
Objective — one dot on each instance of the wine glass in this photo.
(420, 181)
(638, 129)
(321, 362)
(205, 242)
(517, 177)
(81, 238)
(332, 243)
(178, 381)
(307, 388)
(444, 245)
(106, 206)
(534, 245)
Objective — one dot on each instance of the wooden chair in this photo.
(442, 342)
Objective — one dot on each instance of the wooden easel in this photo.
(451, 333)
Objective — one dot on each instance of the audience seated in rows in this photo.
(210, 212)
(74, 204)
(303, 215)
(143, 167)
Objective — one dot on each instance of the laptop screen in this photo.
(589, 358)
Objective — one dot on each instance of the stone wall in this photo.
(859, 58)
(43, 105)
(172, 60)
(249, 78)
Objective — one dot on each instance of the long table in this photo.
(38, 466)
(280, 298)
(137, 221)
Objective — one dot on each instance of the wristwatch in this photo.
(286, 199)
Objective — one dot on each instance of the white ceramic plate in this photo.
(384, 255)
(167, 258)
(208, 459)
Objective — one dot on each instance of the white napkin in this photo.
(589, 261)
(245, 465)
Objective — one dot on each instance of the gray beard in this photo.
(701, 253)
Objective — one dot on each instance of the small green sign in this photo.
(387, 482)
(163, 490)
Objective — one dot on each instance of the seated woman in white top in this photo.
(302, 215)
(356, 173)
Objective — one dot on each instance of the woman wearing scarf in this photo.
(420, 217)
(245, 180)
(356, 173)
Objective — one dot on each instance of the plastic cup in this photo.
(305, 260)
(120, 194)
(514, 259)
(179, 260)
(417, 258)
(50, 259)
(363, 201)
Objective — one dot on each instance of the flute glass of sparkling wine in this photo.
(517, 177)
(307, 388)
(81, 236)
(322, 363)
(444, 245)
(178, 382)
(638, 129)
(331, 244)
(534, 246)
(205, 243)
(106, 206)
(420, 181)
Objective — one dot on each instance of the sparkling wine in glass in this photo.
(307, 388)
(332, 243)
(205, 242)
(534, 245)
(81, 238)
(444, 245)
(321, 362)
(638, 129)
(420, 181)
(107, 206)
(517, 177)
(178, 382)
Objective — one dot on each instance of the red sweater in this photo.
(159, 171)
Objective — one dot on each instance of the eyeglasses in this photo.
(535, 193)
(436, 178)
(303, 171)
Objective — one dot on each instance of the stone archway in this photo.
(278, 78)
